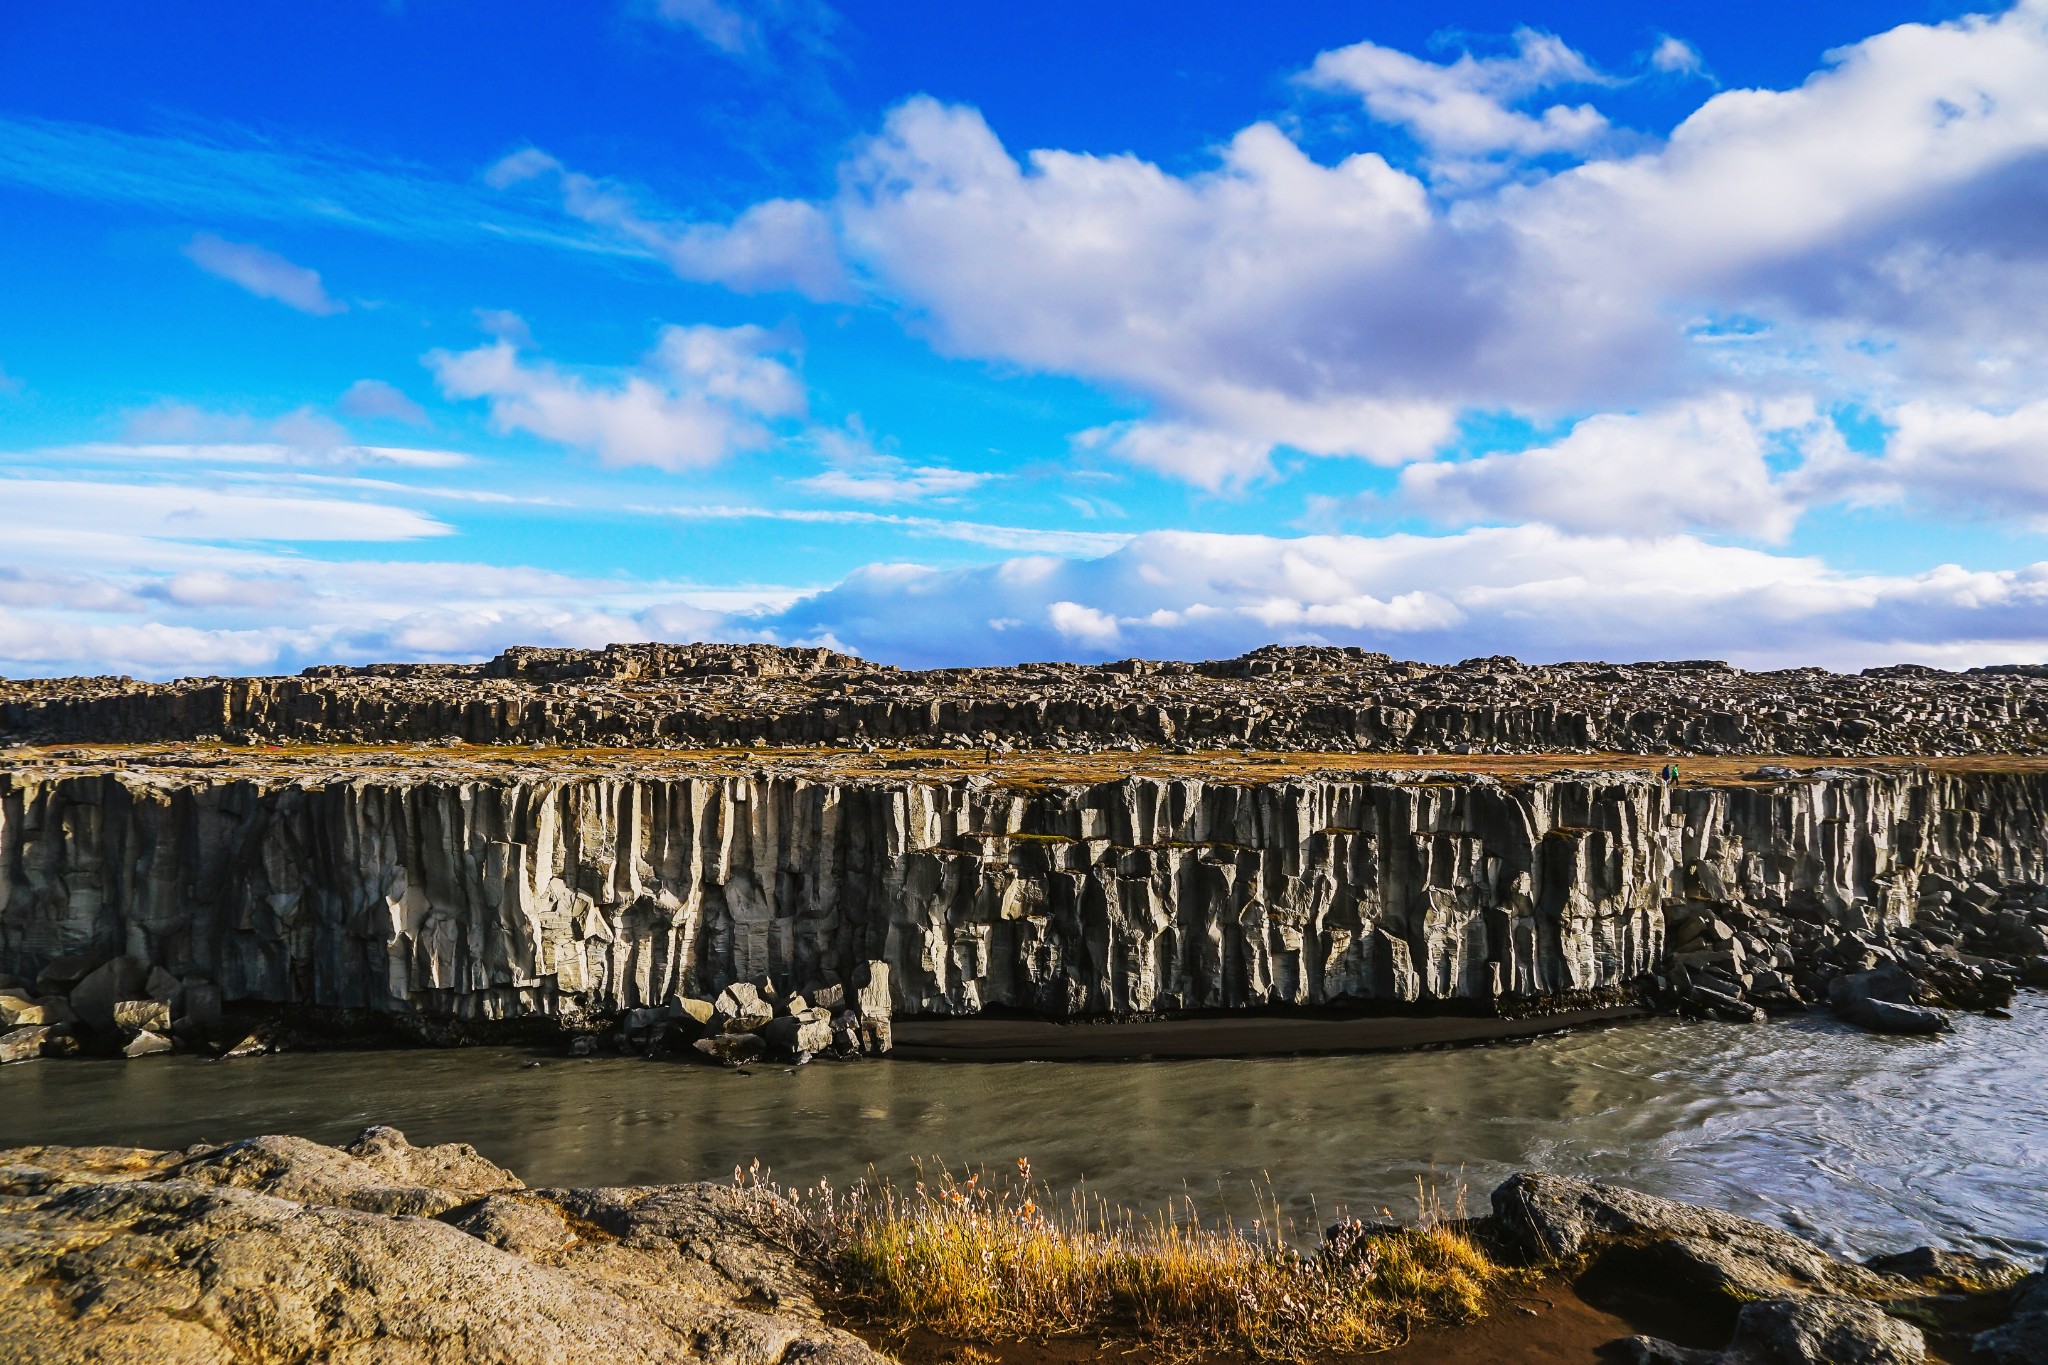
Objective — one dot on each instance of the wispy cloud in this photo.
(725, 26)
(263, 273)
(231, 175)
(188, 434)
(185, 512)
(859, 472)
(252, 453)
(773, 245)
(998, 537)
(757, 32)
(373, 399)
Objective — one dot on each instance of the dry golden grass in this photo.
(981, 1262)
(1023, 771)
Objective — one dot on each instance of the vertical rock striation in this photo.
(568, 895)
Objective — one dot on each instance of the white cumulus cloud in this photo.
(1465, 107)
(1963, 461)
(1868, 236)
(778, 244)
(701, 394)
(1700, 465)
(1533, 591)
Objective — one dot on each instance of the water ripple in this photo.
(1867, 1143)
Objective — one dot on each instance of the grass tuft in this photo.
(986, 1261)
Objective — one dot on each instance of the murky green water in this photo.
(1868, 1143)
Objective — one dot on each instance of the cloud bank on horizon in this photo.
(1512, 343)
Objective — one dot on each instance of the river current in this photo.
(1865, 1143)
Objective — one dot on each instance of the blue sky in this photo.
(382, 331)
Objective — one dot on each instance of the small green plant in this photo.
(981, 1260)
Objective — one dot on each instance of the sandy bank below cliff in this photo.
(1033, 1040)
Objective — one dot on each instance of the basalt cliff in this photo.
(484, 885)
(530, 892)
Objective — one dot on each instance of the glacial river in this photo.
(1863, 1142)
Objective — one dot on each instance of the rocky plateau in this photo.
(1276, 698)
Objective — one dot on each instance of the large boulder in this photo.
(133, 1015)
(1889, 1016)
(146, 1044)
(104, 987)
(1881, 1000)
(126, 1257)
(1556, 1217)
(23, 1044)
(2024, 1339)
(799, 1035)
(1822, 1330)
(741, 1008)
(380, 1172)
(60, 974)
(1813, 1330)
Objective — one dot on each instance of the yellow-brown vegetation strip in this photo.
(1024, 770)
(979, 1262)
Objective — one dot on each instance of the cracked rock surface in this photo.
(1286, 698)
(382, 1253)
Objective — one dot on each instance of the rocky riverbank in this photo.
(140, 900)
(278, 1248)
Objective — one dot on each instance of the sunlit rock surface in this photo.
(532, 894)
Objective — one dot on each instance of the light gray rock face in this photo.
(563, 895)
(1826, 1331)
(282, 1249)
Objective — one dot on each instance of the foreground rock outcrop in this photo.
(281, 1249)
(1787, 1301)
(135, 898)
(276, 1248)
(1338, 700)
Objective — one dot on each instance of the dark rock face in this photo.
(1703, 1250)
(281, 1249)
(2024, 1339)
(1787, 1301)
(1808, 1331)
(1272, 698)
(537, 893)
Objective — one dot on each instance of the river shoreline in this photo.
(277, 1246)
(1243, 1034)
(1860, 1141)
